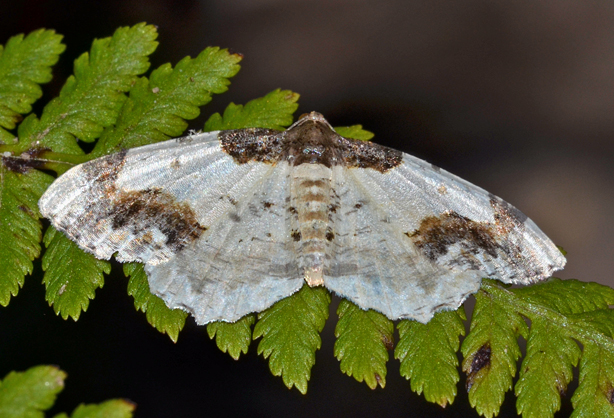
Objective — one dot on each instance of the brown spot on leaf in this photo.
(481, 360)
(26, 161)
(13, 118)
(562, 387)
(26, 210)
(388, 341)
(235, 53)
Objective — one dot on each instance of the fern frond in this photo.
(428, 355)
(546, 370)
(569, 310)
(25, 62)
(29, 393)
(71, 275)
(233, 338)
(158, 108)
(290, 332)
(273, 111)
(92, 98)
(20, 227)
(363, 341)
(354, 132)
(595, 394)
(114, 408)
(161, 317)
(490, 353)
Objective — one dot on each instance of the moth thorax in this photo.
(311, 187)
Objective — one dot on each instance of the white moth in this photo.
(229, 222)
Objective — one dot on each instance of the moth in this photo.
(230, 222)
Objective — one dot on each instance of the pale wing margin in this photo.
(131, 203)
(375, 266)
(242, 261)
(396, 249)
(498, 239)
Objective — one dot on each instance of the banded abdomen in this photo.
(311, 191)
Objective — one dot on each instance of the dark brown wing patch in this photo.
(252, 144)
(437, 233)
(136, 211)
(310, 140)
(142, 210)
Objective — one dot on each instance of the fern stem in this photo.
(574, 328)
(42, 159)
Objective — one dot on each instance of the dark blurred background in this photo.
(516, 97)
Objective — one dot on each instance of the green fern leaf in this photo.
(363, 341)
(114, 408)
(290, 331)
(71, 275)
(24, 64)
(593, 329)
(20, 227)
(428, 355)
(161, 317)
(91, 99)
(157, 108)
(273, 111)
(600, 321)
(354, 132)
(568, 296)
(233, 338)
(595, 394)
(490, 353)
(551, 353)
(546, 370)
(27, 394)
